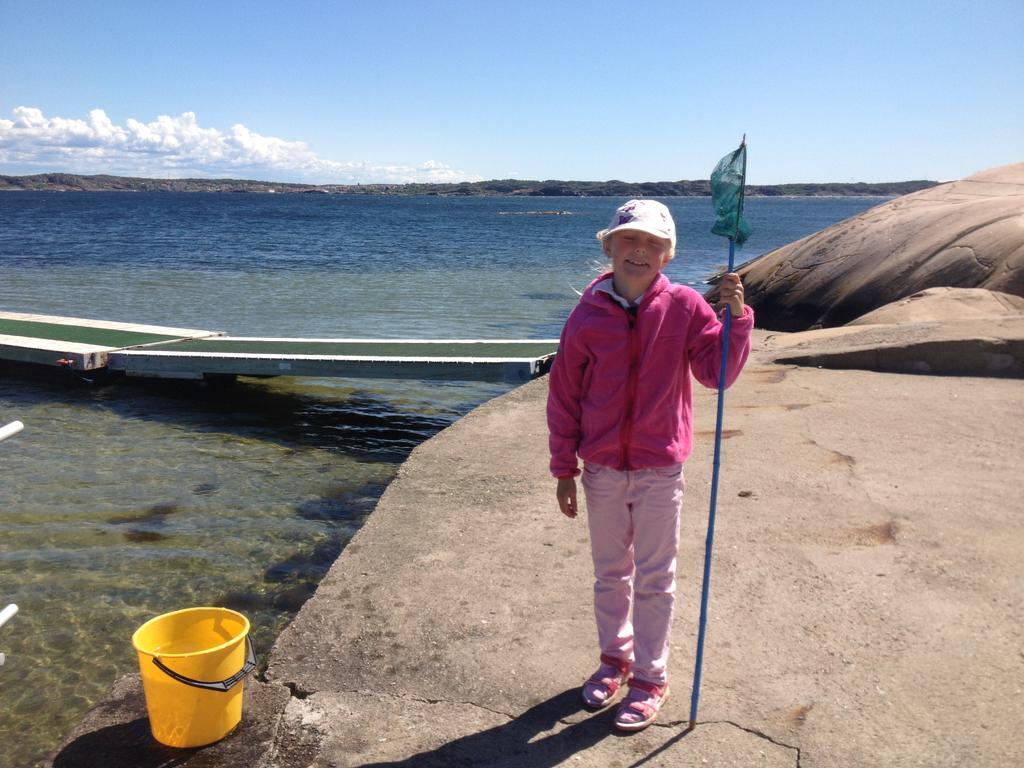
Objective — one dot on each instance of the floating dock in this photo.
(187, 353)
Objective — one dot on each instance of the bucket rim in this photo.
(241, 635)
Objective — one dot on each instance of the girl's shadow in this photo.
(516, 744)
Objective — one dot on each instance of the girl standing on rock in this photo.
(620, 399)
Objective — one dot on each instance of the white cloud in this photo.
(178, 147)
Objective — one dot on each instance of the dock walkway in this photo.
(186, 353)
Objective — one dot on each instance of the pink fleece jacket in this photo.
(620, 393)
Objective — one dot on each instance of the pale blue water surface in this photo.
(121, 501)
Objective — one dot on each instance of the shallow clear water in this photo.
(121, 501)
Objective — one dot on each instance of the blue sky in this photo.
(344, 92)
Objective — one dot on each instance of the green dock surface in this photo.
(80, 334)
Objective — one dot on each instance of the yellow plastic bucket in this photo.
(193, 663)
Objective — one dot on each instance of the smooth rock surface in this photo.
(965, 234)
(945, 305)
(944, 331)
(866, 600)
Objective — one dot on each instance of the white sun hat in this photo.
(648, 216)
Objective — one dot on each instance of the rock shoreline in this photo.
(866, 601)
(66, 182)
(867, 607)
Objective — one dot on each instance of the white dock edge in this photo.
(109, 325)
(196, 365)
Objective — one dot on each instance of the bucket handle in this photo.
(221, 685)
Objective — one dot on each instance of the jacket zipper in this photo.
(634, 353)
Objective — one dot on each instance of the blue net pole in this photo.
(695, 696)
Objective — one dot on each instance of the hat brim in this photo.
(634, 227)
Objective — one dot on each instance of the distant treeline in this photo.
(67, 182)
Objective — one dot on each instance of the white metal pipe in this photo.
(8, 613)
(10, 431)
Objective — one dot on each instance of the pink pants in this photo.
(634, 537)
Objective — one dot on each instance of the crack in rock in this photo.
(498, 712)
(755, 732)
(300, 693)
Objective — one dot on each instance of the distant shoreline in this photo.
(66, 182)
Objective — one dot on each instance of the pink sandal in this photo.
(602, 686)
(640, 707)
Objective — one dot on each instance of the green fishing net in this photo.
(727, 181)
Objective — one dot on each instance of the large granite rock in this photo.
(966, 234)
(945, 331)
(944, 305)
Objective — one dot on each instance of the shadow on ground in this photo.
(532, 740)
(124, 745)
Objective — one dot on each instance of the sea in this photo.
(122, 500)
